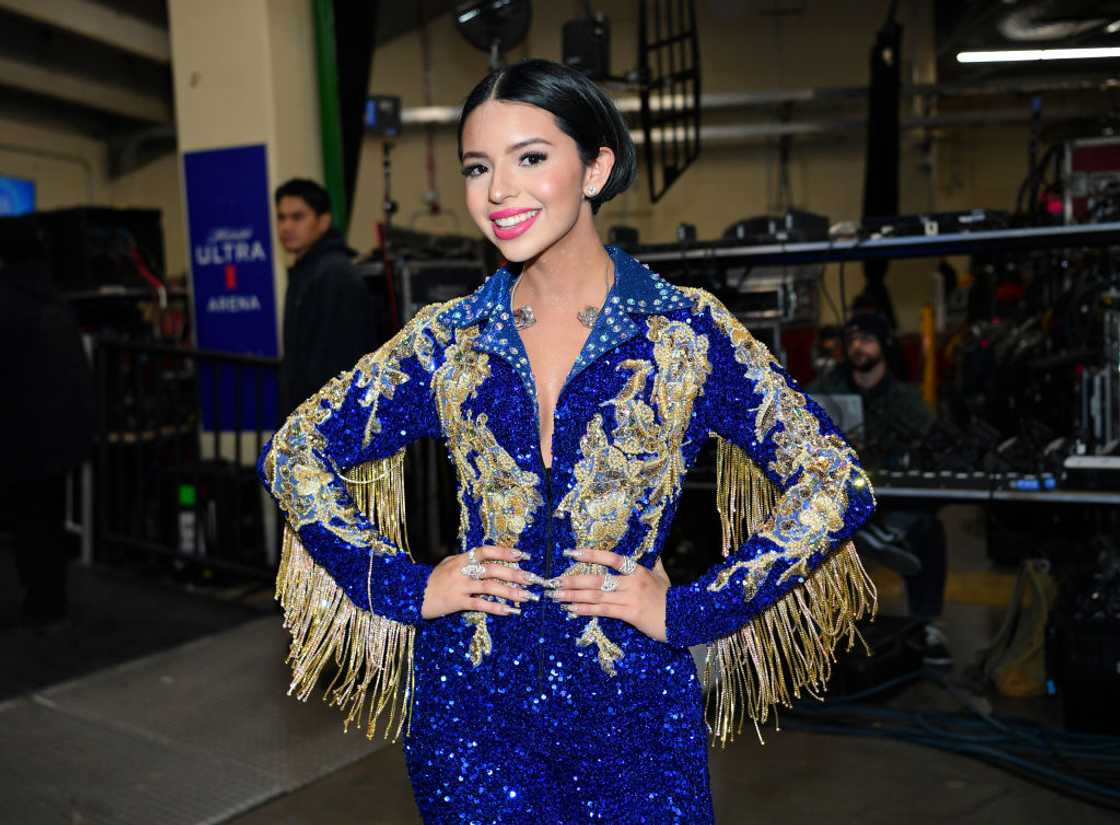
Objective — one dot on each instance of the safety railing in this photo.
(179, 432)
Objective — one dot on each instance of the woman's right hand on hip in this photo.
(449, 590)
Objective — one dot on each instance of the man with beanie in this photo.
(328, 315)
(896, 419)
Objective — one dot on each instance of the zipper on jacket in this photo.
(547, 566)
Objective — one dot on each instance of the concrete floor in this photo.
(204, 733)
(109, 622)
(795, 778)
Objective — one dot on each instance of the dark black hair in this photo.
(314, 195)
(581, 109)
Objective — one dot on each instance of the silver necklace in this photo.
(523, 315)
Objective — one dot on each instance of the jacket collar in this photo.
(331, 241)
(636, 291)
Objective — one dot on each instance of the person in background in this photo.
(328, 315)
(896, 419)
(50, 408)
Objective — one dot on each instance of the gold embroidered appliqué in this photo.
(507, 495)
(813, 507)
(641, 460)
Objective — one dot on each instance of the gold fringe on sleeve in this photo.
(372, 654)
(378, 488)
(790, 647)
(744, 495)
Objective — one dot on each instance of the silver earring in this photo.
(591, 191)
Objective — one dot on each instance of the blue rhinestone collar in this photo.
(637, 290)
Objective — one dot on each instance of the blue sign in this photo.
(229, 227)
(17, 196)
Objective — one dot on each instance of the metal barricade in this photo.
(179, 432)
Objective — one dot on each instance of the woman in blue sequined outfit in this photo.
(573, 390)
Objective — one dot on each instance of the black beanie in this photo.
(869, 323)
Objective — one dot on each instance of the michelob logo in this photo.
(225, 245)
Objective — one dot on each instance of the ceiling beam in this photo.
(720, 101)
(83, 91)
(98, 22)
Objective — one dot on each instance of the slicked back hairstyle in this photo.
(581, 110)
(314, 195)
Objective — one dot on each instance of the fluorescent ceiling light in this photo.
(1025, 55)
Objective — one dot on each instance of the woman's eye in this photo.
(537, 157)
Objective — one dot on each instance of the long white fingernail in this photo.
(574, 554)
(512, 609)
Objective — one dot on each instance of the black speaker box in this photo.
(896, 644)
(586, 45)
(90, 247)
(1084, 664)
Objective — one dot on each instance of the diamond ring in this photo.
(610, 583)
(473, 571)
(628, 566)
(471, 556)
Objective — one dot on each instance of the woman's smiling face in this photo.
(516, 159)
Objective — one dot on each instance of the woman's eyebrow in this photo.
(512, 148)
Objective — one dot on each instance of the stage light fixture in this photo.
(1029, 55)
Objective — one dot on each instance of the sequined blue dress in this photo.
(544, 717)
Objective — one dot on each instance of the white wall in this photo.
(70, 169)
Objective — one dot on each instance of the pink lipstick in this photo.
(510, 232)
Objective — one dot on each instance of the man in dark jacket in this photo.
(328, 318)
(895, 417)
(48, 412)
(895, 420)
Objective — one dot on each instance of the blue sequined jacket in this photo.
(663, 369)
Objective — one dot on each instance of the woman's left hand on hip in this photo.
(638, 597)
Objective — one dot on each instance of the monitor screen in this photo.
(846, 412)
(17, 195)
